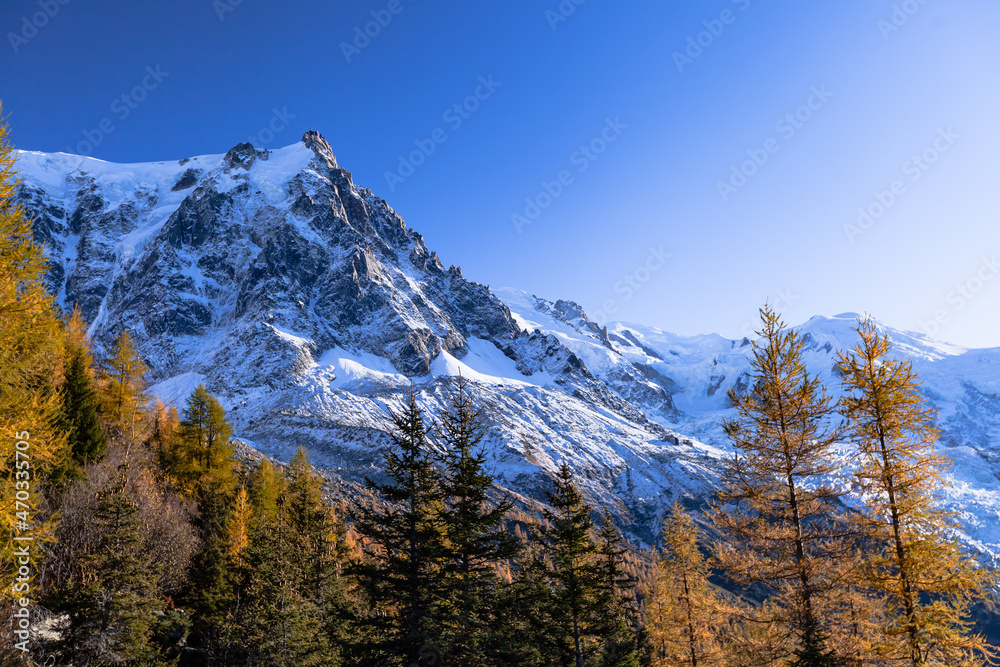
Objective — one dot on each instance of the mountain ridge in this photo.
(308, 306)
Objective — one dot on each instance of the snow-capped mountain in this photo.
(305, 303)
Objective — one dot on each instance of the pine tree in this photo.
(684, 613)
(777, 500)
(618, 599)
(273, 624)
(924, 577)
(30, 358)
(85, 438)
(400, 575)
(476, 541)
(111, 613)
(575, 576)
(319, 542)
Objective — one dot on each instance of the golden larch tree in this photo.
(685, 616)
(31, 359)
(778, 503)
(923, 576)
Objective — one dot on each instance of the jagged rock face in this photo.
(321, 258)
(308, 306)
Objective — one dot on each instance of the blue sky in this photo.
(670, 163)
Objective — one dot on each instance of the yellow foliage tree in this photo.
(238, 528)
(778, 503)
(924, 578)
(31, 349)
(124, 390)
(685, 616)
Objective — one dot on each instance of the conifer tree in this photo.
(125, 389)
(274, 623)
(111, 614)
(777, 501)
(204, 457)
(319, 541)
(85, 438)
(527, 633)
(30, 356)
(266, 486)
(575, 575)
(401, 572)
(683, 611)
(206, 470)
(238, 528)
(476, 541)
(162, 438)
(923, 576)
(620, 615)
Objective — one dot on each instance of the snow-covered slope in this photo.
(306, 304)
(697, 373)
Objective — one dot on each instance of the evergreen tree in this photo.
(476, 543)
(777, 501)
(273, 624)
(618, 599)
(401, 572)
(923, 576)
(526, 633)
(574, 576)
(319, 542)
(86, 440)
(79, 419)
(683, 611)
(111, 617)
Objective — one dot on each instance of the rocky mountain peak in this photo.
(321, 147)
(243, 155)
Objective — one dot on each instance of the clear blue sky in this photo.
(889, 94)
